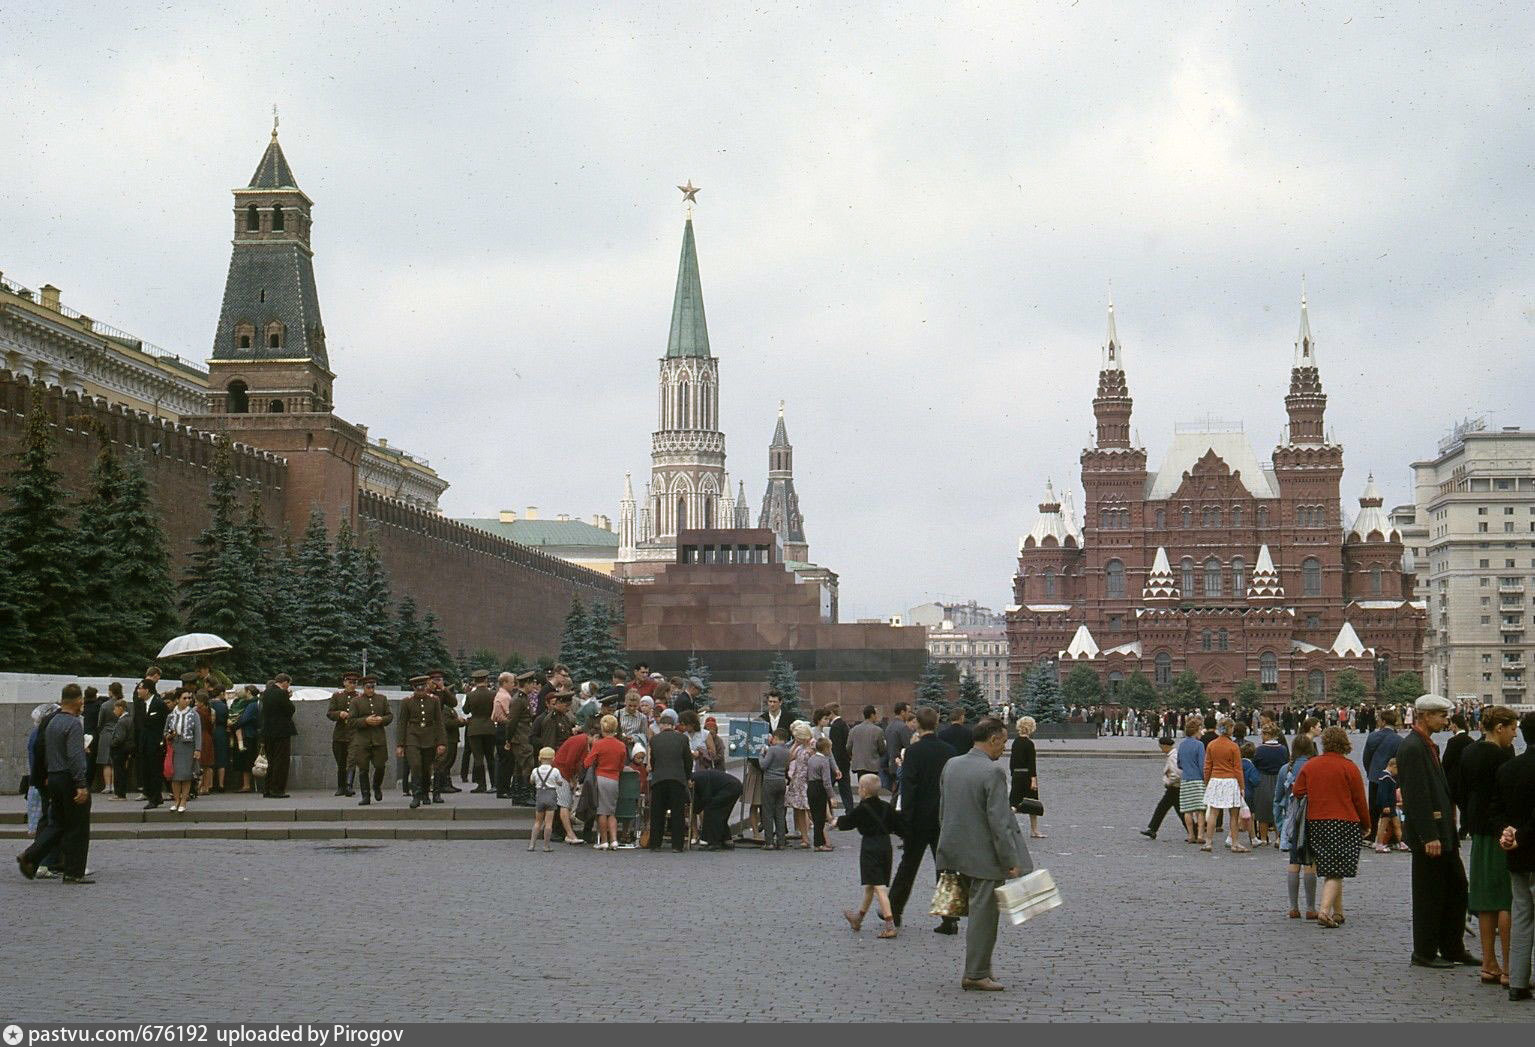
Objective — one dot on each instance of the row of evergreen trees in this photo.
(85, 585)
(933, 689)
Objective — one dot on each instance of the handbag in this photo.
(950, 899)
(1029, 805)
(259, 765)
(168, 766)
(1023, 899)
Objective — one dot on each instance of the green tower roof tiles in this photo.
(690, 333)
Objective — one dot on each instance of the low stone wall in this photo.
(313, 765)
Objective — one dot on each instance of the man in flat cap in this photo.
(340, 712)
(370, 717)
(421, 738)
(480, 735)
(1438, 877)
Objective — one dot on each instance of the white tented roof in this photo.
(1230, 446)
(1082, 645)
(1048, 608)
(1348, 643)
(1126, 648)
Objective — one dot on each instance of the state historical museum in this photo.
(1215, 562)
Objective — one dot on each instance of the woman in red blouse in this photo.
(1337, 817)
(608, 755)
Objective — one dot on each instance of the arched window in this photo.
(1188, 578)
(1236, 516)
(1263, 516)
(682, 513)
(1161, 519)
(1164, 668)
(277, 222)
(274, 340)
(1268, 670)
(252, 219)
(1316, 684)
(1049, 576)
(1376, 579)
(1187, 516)
(275, 407)
(1238, 577)
(1223, 641)
(682, 397)
(1311, 576)
(1103, 519)
(1212, 577)
(1115, 679)
(708, 511)
(1206, 640)
(1114, 577)
(239, 400)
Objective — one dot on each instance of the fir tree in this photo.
(283, 617)
(1349, 690)
(783, 679)
(1246, 697)
(144, 595)
(604, 651)
(461, 664)
(484, 658)
(1042, 697)
(972, 698)
(322, 653)
(349, 582)
(932, 689)
(1139, 693)
(1186, 693)
(432, 645)
(699, 671)
(40, 549)
(219, 595)
(1403, 689)
(514, 663)
(97, 620)
(574, 650)
(377, 632)
(1082, 688)
(409, 644)
(14, 638)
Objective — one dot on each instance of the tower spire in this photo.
(689, 332)
(1113, 357)
(1305, 345)
(1111, 407)
(1306, 402)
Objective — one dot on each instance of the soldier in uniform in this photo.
(370, 719)
(452, 723)
(421, 739)
(480, 735)
(554, 725)
(341, 735)
(519, 724)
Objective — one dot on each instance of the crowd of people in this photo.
(1119, 721)
(1307, 798)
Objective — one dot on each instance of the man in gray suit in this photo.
(979, 838)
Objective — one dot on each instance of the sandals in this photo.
(1323, 920)
(1489, 978)
(1294, 914)
(854, 919)
(1206, 847)
(1037, 836)
(889, 930)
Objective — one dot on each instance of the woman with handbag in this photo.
(1290, 817)
(183, 735)
(1022, 762)
(1337, 817)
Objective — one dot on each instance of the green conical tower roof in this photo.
(690, 333)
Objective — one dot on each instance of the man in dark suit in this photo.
(920, 774)
(837, 732)
(1438, 877)
(149, 713)
(956, 733)
(1513, 808)
(671, 768)
(277, 733)
(714, 794)
(1454, 749)
(1379, 749)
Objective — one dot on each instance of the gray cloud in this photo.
(908, 225)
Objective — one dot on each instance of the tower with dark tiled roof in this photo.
(269, 350)
(780, 503)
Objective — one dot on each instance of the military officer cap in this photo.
(480, 674)
(188, 678)
(436, 672)
(369, 681)
(348, 675)
(561, 696)
(526, 676)
(417, 681)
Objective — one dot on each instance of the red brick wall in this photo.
(487, 591)
(177, 460)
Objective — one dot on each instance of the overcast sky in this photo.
(908, 226)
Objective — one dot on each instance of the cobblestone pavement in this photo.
(484, 930)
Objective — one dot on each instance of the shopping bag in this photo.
(1029, 895)
(951, 899)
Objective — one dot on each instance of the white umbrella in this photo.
(194, 643)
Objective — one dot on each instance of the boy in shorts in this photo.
(547, 785)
